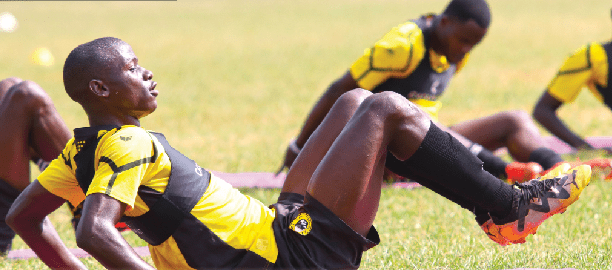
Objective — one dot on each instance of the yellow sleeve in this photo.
(586, 67)
(122, 159)
(59, 178)
(397, 54)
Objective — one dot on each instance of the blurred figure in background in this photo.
(587, 67)
(418, 59)
(30, 130)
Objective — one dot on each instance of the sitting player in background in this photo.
(589, 66)
(418, 59)
(193, 219)
(30, 130)
(36, 133)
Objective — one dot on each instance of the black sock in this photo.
(545, 157)
(398, 167)
(491, 163)
(443, 163)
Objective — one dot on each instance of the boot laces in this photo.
(534, 189)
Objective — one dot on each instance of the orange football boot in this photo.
(537, 200)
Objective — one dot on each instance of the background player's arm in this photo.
(97, 235)
(397, 54)
(545, 113)
(321, 108)
(318, 112)
(27, 217)
(586, 66)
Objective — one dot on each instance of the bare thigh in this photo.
(321, 140)
(348, 179)
(35, 129)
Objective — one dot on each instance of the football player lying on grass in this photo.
(192, 219)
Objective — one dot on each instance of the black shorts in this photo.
(311, 236)
(8, 194)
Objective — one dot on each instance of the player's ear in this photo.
(98, 88)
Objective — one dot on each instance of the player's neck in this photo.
(109, 119)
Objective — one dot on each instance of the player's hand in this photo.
(290, 155)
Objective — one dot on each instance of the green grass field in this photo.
(236, 79)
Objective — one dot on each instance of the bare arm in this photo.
(321, 108)
(97, 235)
(318, 112)
(545, 113)
(27, 217)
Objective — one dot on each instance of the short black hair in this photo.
(464, 10)
(84, 61)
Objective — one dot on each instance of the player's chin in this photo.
(143, 114)
(456, 59)
(152, 106)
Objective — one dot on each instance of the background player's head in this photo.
(461, 26)
(103, 75)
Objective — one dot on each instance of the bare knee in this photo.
(7, 83)
(394, 107)
(404, 123)
(28, 95)
(354, 97)
(518, 119)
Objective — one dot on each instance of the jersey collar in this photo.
(84, 133)
(438, 62)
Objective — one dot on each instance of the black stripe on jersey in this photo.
(66, 160)
(118, 170)
(578, 70)
(372, 68)
(86, 142)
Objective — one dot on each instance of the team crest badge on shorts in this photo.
(302, 224)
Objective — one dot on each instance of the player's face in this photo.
(131, 87)
(458, 38)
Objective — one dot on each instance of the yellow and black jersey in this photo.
(403, 62)
(586, 67)
(222, 229)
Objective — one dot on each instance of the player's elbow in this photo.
(12, 219)
(86, 238)
(540, 112)
(91, 235)
(536, 114)
(18, 219)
